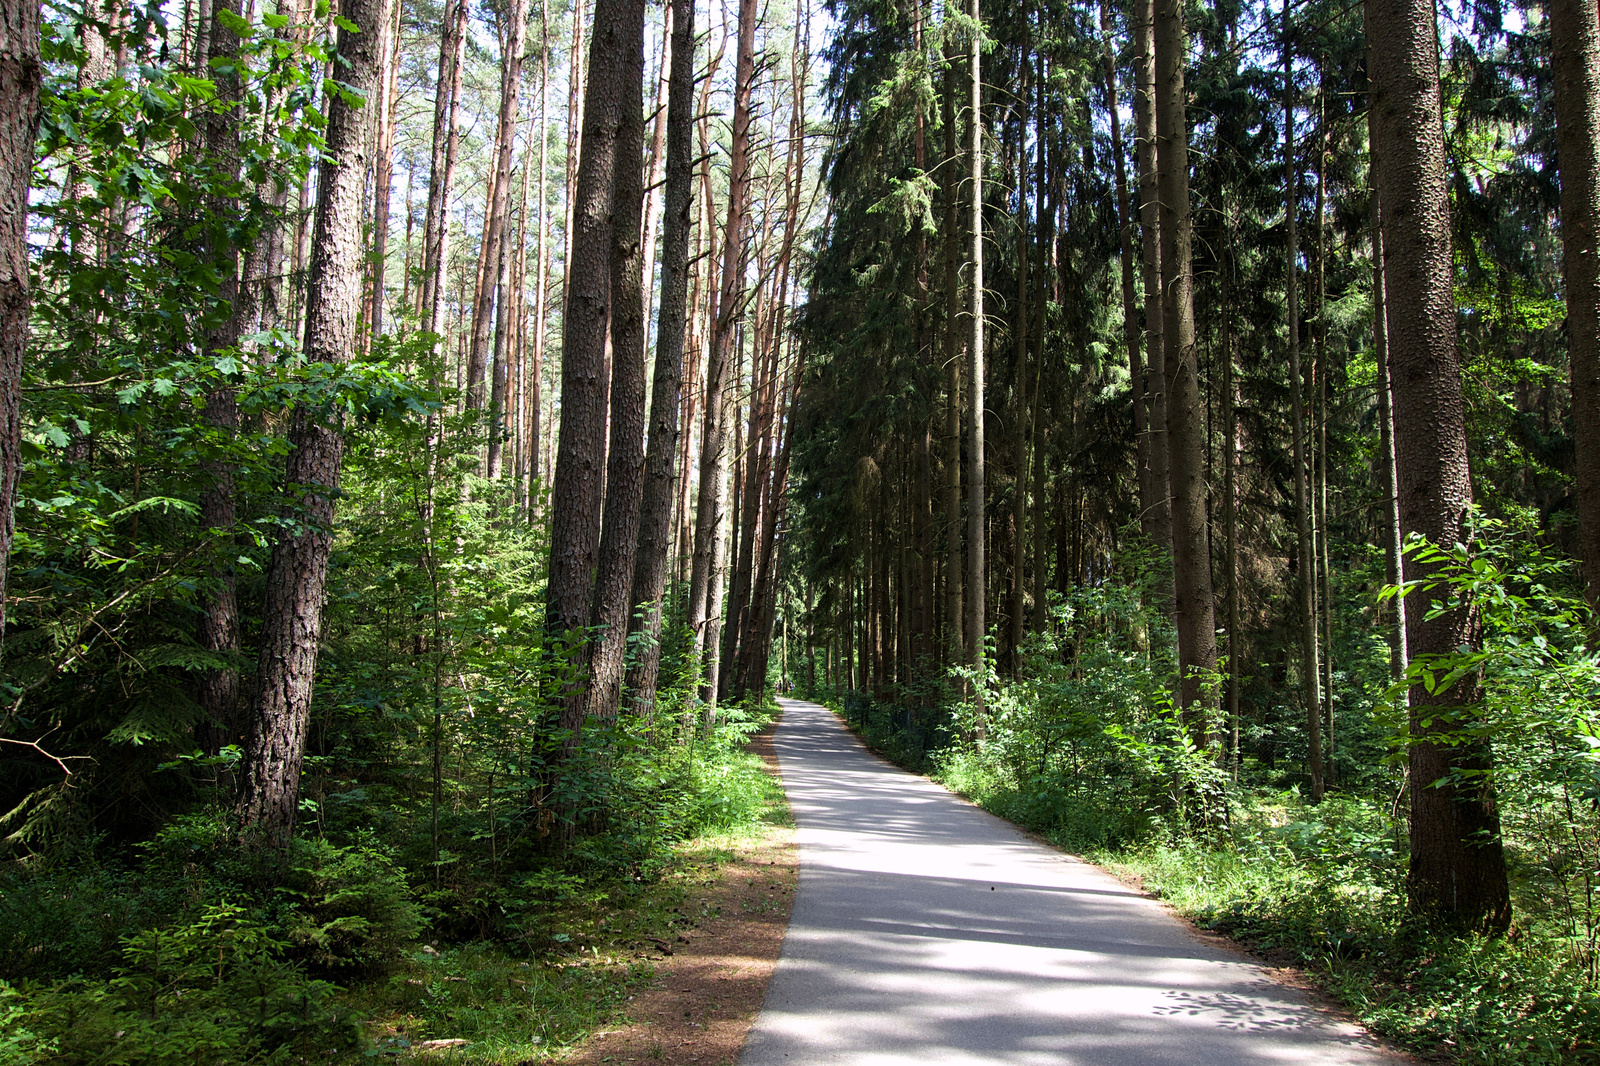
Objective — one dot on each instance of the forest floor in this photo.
(709, 983)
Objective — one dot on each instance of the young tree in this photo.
(291, 622)
(1458, 868)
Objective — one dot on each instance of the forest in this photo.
(431, 433)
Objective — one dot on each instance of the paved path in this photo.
(927, 931)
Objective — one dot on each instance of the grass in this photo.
(228, 986)
(511, 1010)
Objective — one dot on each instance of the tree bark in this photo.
(536, 469)
(725, 312)
(581, 452)
(20, 72)
(976, 568)
(297, 574)
(441, 176)
(494, 227)
(1186, 444)
(955, 639)
(619, 537)
(1305, 582)
(1575, 64)
(1458, 869)
(219, 607)
(1138, 383)
(655, 523)
(1159, 521)
(1393, 539)
(383, 171)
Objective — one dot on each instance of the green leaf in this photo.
(237, 23)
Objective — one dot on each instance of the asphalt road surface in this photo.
(927, 931)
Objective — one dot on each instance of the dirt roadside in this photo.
(711, 981)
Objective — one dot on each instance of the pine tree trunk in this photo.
(20, 71)
(661, 466)
(575, 123)
(657, 156)
(1019, 403)
(1230, 512)
(1320, 497)
(1393, 539)
(1458, 868)
(441, 175)
(954, 650)
(704, 589)
(619, 538)
(1159, 521)
(537, 470)
(1045, 195)
(494, 228)
(1138, 382)
(219, 608)
(383, 171)
(291, 623)
(581, 452)
(1575, 63)
(977, 576)
(1305, 581)
(1186, 444)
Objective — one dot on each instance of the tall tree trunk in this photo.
(1320, 486)
(20, 71)
(383, 171)
(1575, 62)
(1393, 539)
(1305, 580)
(1230, 510)
(441, 175)
(1045, 196)
(1155, 388)
(955, 640)
(1137, 381)
(725, 312)
(291, 622)
(219, 608)
(494, 226)
(575, 123)
(581, 453)
(657, 156)
(1186, 444)
(976, 569)
(619, 538)
(1458, 868)
(537, 470)
(655, 523)
(1019, 401)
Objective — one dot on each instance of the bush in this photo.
(215, 990)
(352, 907)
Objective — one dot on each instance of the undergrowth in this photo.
(186, 953)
